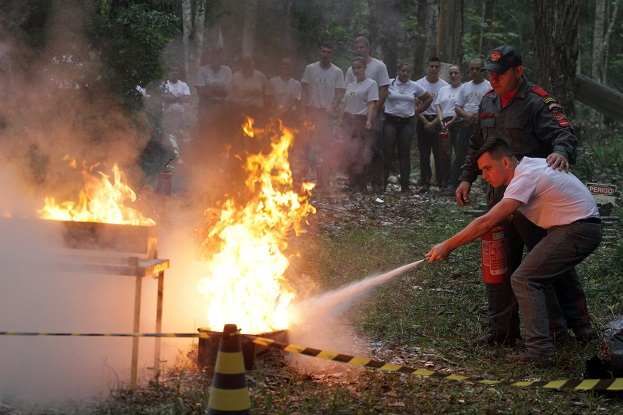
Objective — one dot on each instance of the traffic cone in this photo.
(229, 394)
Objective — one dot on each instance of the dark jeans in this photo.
(358, 151)
(461, 148)
(317, 146)
(397, 136)
(376, 164)
(427, 142)
(553, 258)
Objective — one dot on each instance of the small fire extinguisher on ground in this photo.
(494, 265)
(165, 179)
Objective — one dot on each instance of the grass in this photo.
(422, 319)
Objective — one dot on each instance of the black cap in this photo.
(502, 58)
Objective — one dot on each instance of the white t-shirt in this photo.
(206, 77)
(248, 91)
(401, 97)
(178, 89)
(375, 70)
(471, 94)
(322, 84)
(446, 99)
(284, 91)
(358, 94)
(434, 90)
(550, 197)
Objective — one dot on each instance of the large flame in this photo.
(244, 248)
(99, 201)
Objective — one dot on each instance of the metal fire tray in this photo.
(208, 348)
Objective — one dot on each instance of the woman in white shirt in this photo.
(355, 122)
(405, 98)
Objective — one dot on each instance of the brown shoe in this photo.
(490, 339)
(526, 357)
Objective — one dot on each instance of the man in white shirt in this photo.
(554, 200)
(451, 123)
(427, 126)
(284, 93)
(322, 88)
(467, 103)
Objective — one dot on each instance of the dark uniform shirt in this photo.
(532, 123)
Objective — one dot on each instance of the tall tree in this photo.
(601, 37)
(557, 47)
(450, 37)
(249, 26)
(193, 18)
(428, 16)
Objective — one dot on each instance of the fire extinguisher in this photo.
(493, 249)
(165, 179)
(445, 147)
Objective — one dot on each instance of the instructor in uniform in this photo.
(533, 124)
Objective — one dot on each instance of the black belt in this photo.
(394, 118)
(430, 117)
(590, 220)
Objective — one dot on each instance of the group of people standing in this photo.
(375, 116)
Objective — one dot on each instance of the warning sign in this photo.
(603, 193)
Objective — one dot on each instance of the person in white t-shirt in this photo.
(427, 127)
(450, 122)
(355, 123)
(467, 104)
(404, 99)
(376, 70)
(215, 125)
(552, 199)
(175, 94)
(284, 93)
(322, 88)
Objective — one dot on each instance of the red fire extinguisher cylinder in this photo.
(493, 249)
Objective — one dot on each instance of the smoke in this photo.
(53, 105)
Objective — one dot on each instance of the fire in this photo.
(244, 248)
(99, 201)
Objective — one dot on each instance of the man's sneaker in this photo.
(585, 333)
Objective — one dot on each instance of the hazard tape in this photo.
(615, 384)
(200, 335)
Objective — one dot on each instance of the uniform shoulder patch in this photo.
(539, 91)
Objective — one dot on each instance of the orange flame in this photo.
(246, 284)
(99, 200)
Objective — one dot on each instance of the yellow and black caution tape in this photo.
(201, 335)
(615, 384)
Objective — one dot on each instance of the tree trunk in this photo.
(613, 18)
(249, 27)
(597, 66)
(449, 39)
(557, 47)
(488, 15)
(428, 16)
(193, 19)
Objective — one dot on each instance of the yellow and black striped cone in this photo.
(229, 394)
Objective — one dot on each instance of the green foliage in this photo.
(132, 40)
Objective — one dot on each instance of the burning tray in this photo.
(208, 348)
